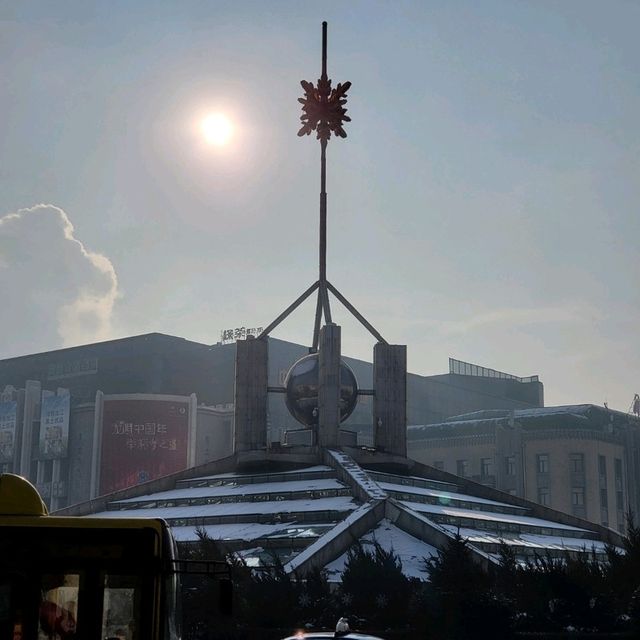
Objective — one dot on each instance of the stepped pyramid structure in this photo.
(309, 507)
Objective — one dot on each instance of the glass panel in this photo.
(121, 608)
(59, 606)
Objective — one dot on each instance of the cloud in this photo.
(54, 291)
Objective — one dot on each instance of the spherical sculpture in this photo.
(302, 390)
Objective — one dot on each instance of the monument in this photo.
(321, 390)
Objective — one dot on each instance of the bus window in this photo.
(58, 607)
(121, 608)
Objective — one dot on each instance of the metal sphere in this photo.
(302, 390)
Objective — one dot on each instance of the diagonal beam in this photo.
(363, 321)
(292, 307)
(325, 302)
(316, 324)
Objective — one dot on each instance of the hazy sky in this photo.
(483, 207)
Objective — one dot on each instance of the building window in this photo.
(462, 467)
(604, 498)
(510, 465)
(617, 466)
(602, 465)
(542, 463)
(438, 464)
(486, 466)
(576, 462)
(543, 496)
(577, 496)
(618, 472)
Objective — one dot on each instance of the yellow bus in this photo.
(83, 578)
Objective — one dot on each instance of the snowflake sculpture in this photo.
(323, 109)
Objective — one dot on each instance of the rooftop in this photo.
(310, 515)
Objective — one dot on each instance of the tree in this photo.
(460, 597)
(374, 587)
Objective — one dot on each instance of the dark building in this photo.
(155, 368)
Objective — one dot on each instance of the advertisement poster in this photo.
(54, 426)
(142, 440)
(8, 418)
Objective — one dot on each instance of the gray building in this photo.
(581, 459)
(154, 367)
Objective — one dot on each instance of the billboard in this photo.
(54, 425)
(8, 419)
(142, 439)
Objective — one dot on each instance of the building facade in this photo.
(582, 460)
(74, 451)
(145, 375)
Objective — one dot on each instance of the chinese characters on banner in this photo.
(54, 426)
(8, 418)
(239, 333)
(142, 440)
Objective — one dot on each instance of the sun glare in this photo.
(217, 129)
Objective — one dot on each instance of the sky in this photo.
(483, 207)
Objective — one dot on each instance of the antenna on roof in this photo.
(635, 405)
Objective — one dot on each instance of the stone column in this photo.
(329, 386)
(251, 395)
(390, 399)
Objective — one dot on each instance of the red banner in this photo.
(142, 440)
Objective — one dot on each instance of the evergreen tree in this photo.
(461, 599)
(374, 588)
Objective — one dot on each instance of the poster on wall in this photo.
(54, 425)
(8, 419)
(142, 439)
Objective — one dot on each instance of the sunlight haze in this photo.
(484, 205)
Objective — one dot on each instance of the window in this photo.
(58, 609)
(604, 498)
(576, 462)
(462, 468)
(438, 464)
(510, 465)
(543, 496)
(577, 496)
(602, 465)
(542, 463)
(486, 466)
(619, 501)
(121, 606)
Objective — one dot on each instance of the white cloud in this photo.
(54, 291)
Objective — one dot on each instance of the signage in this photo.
(8, 419)
(72, 368)
(142, 439)
(239, 333)
(54, 425)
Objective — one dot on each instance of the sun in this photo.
(217, 129)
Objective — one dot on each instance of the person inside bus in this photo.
(57, 622)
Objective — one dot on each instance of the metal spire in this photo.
(323, 111)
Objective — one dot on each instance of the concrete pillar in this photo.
(96, 446)
(390, 399)
(329, 386)
(193, 430)
(32, 391)
(251, 395)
